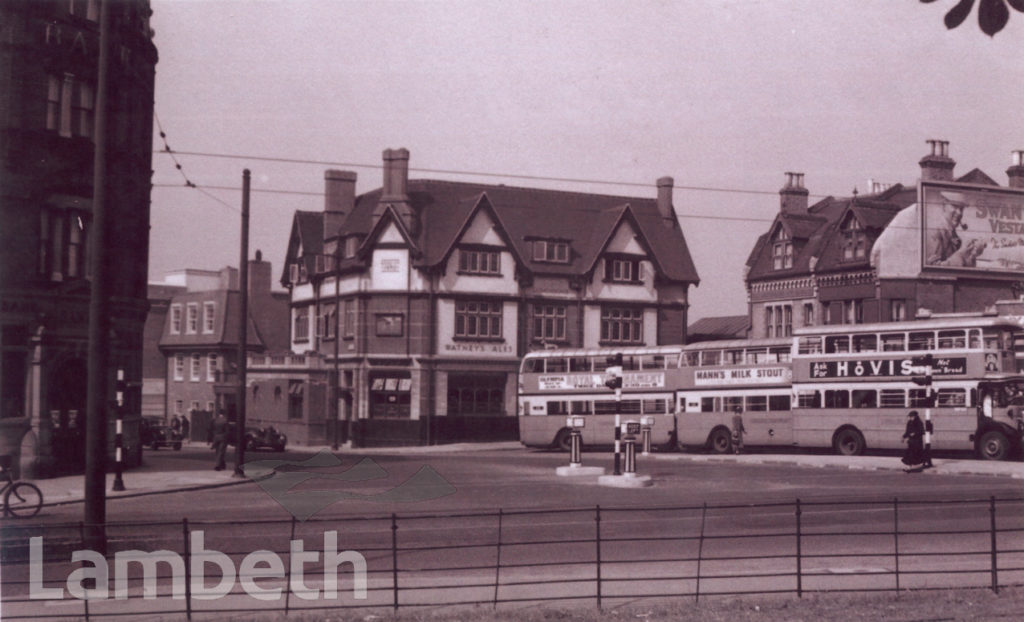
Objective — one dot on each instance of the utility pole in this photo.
(98, 373)
(243, 329)
(335, 385)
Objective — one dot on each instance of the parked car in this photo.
(153, 433)
(259, 438)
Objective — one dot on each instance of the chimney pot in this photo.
(664, 201)
(1016, 171)
(937, 166)
(339, 199)
(793, 196)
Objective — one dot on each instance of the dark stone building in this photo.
(49, 58)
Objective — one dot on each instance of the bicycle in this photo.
(21, 499)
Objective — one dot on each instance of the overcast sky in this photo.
(723, 94)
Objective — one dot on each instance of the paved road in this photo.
(444, 558)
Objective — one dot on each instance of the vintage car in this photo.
(154, 433)
(259, 438)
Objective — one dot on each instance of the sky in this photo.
(725, 96)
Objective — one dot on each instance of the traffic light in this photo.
(613, 372)
(120, 387)
(925, 361)
(924, 381)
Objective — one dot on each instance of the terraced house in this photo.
(419, 298)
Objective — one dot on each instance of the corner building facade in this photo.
(943, 245)
(420, 297)
(49, 62)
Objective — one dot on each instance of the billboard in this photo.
(970, 227)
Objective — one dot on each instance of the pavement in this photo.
(155, 477)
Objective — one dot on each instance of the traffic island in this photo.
(574, 470)
(626, 480)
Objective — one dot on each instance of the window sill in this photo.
(468, 273)
(482, 339)
(617, 344)
(621, 282)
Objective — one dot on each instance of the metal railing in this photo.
(601, 554)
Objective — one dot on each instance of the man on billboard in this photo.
(945, 248)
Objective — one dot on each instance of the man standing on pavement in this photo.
(737, 430)
(219, 438)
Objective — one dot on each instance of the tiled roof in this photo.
(720, 327)
(816, 235)
(586, 221)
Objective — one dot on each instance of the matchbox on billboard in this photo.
(970, 227)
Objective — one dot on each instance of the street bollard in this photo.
(575, 424)
(628, 433)
(646, 423)
(618, 448)
(630, 429)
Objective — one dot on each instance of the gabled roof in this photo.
(525, 214)
(977, 176)
(817, 235)
(308, 234)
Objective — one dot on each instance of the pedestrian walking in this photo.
(186, 427)
(914, 436)
(219, 440)
(737, 430)
(175, 424)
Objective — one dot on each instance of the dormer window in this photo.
(293, 273)
(855, 240)
(324, 263)
(623, 269)
(551, 251)
(479, 261)
(351, 244)
(782, 251)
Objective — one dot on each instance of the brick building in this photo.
(420, 297)
(875, 257)
(49, 57)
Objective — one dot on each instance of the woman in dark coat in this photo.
(914, 435)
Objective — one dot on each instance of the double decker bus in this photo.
(554, 384)
(720, 378)
(853, 385)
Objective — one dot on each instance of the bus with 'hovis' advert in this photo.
(846, 387)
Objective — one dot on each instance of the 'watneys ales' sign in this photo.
(870, 368)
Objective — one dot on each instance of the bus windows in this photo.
(865, 343)
(893, 342)
(654, 407)
(952, 339)
(710, 404)
(921, 341)
(533, 366)
(653, 361)
(865, 399)
(919, 398)
(809, 345)
(951, 398)
(759, 355)
(808, 399)
(579, 363)
(778, 355)
(892, 398)
(710, 357)
(991, 340)
(733, 357)
(757, 403)
(582, 408)
(732, 402)
(837, 398)
(691, 359)
(630, 362)
(558, 408)
(605, 407)
(974, 338)
(778, 402)
(837, 344)
(556, 364)
(599, 363)
(630, 407)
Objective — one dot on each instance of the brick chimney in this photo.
(339, 199)
(1016, 170)
(395, 189)
(937, 166)
(793, 196)
(260, 278)
(665, 185)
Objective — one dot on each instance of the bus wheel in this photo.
(993, 445)
(720, 441)
(562, 441)
(848, 442)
